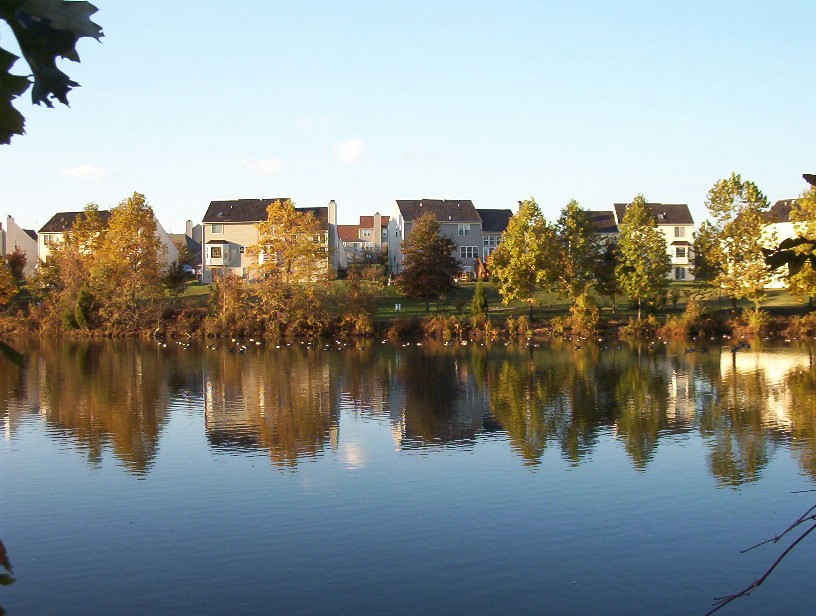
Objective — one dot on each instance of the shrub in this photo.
(641, 328)
(751, 322)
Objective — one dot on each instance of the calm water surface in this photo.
(138, 479)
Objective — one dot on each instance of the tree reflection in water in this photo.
(288, 403)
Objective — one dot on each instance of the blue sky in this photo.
(368, 102)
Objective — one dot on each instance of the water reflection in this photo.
(284, 403)
(288, 404)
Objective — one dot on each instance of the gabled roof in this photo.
(603, 221)
(445, 210)
(666, 213)
(182, 239)
(253, 210)
(367, 222)
(348, 233)
(780, 212)
(494, 221)
(31, 233)
(63, 221)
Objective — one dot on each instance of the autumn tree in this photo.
(429, 267)
(8, 285)
(17, 262)
(44, 31)
(65, 277)
(518, 267)
(128, 266)
(737, 209)
(577, 251)
(643, 263)
(802, 273)
(292, 245)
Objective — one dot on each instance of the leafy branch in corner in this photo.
(808, 516)
(45, 30)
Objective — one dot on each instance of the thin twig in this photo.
(720, 602)
(808, 515)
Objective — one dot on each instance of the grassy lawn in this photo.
(548, 305)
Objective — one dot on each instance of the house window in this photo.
(217, 228)
(487, 251)
(468, 252)
(490, 240)
(464, 228)
(679, 273)
(215, 252)
(679, 232)
(680, 252)
(50, 240)
(366, 232)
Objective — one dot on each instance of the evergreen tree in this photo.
(519, 265)
(643, 263)
(430, 267)
(479, 303)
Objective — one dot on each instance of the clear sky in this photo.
(188, 101)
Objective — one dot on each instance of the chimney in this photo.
(332, 212)
(377, 230)
(188, 228)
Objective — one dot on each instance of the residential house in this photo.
(675, 222)
(230, 228)
(362, 241)
(61, 223)
(779, 227)
(458, 220)
(604, 224)
(494, 224)
(190, 240)
(12, 238)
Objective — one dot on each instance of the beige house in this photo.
(780, 227)
(12, 238)
(675, 222)
(230, 228)
(61, 223)
(365, 239)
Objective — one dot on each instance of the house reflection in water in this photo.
(285, 404)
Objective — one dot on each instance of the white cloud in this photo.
(349, 151)
(265, 167)
(89, 172)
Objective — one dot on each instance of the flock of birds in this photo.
(240, 345)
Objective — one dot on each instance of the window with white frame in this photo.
(679, 232)
(679, 273)
(680, 252)
(217, 228)
(366, 232)
(464, 228)
(490, 240)
(468, 252)
(215, 252)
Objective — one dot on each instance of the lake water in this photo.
(141, 479)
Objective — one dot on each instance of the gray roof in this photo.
(253, 210)
(31, 233)
(780, 212)
(495, 221)
(182, 239)
(666, 213)
(603, 221)
(445, 210)
(63, 221)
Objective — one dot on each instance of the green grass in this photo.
(548, 305)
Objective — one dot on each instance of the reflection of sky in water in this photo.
(501, 498)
